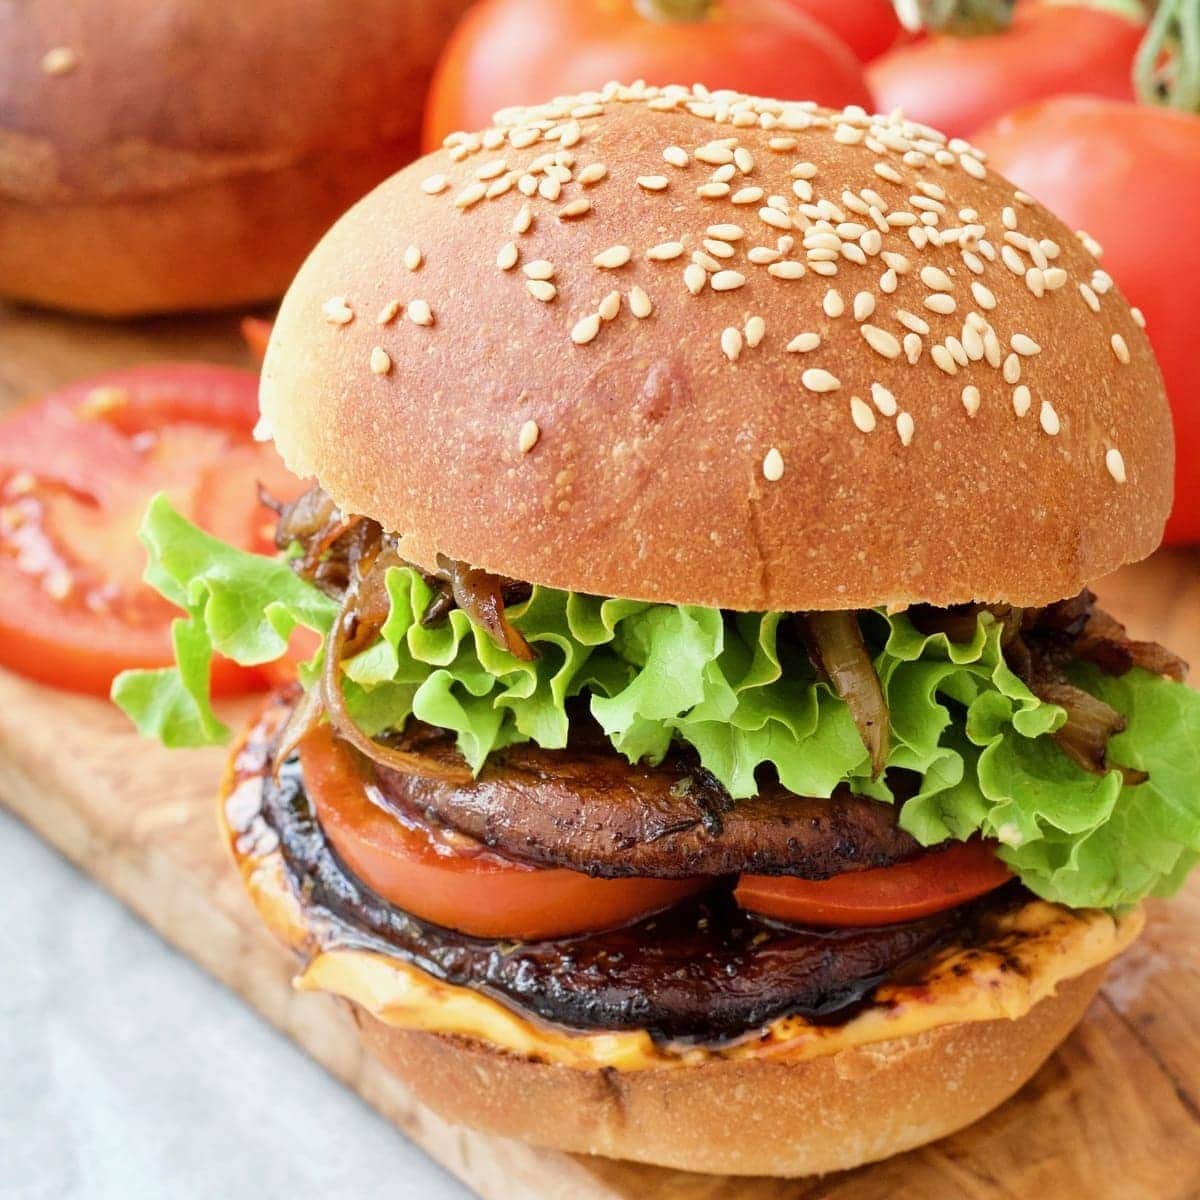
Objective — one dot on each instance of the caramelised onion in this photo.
(344, 725)
(1090, 723)
(1104, 642)
(838, 652)
(481, 596)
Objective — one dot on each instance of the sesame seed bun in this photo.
(573, 350)
(191, 158)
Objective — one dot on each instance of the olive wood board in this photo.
(1113, 1115)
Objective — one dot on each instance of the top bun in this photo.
(708, 348)
(189, 153)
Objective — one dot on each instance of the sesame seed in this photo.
(1008, 217)
(541, 290)
(943, 359)
(388, 312)
(1139, 317)
(720, 249)
(612, 258)
(1115, 463)
(1089, 243)
(861, 414)
(815, 379)
(490, 170)
(523, 220)
(756, 330)
(970, 399)
(610, 306)
(802, 343)
(694, 278)
(639, 303)
(664, 251)
(984, 296)
(419, 312)
(1035, 281)
(1054, 278)
(61, 60)
(677, 156)
(905, 427)
(1023, 198)
(1012, 260)
(774, 218)
(577, 208)
(772, 466)
(653, 183)
(728, 281)
(972, 342)
(972, 166)
(714, 154)
(1120, 348)
(881, 341)
(381, 364)
(936, 279)
(744, 160)
(1024, 345)
(883, 400)
(912, 321)
(731, 343)
(1021, 399)
(470, 195)
(782, 144)
(788, 269)
(912, 347)
(804, 170)
(701, 259)
(864, 306)
(585, 329)
(1012, 369)
(434, 184)
(833, 304)
(527, 438)
(592, 174)
(1049, 418)
(539, 269)
(337, 311)
(726, 233)
(507, 258)
(887, 171)
(847, 135)
(713, 191)
(940, 303)
(748, 195)
(413, 258)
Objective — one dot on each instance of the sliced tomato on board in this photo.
(76, 470)
(929, 884)
(455, 881)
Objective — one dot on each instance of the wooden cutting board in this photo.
(1114, 1114)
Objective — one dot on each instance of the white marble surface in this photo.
(125, 1072)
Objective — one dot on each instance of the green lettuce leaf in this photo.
(732, 688)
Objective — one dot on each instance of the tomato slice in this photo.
(454, 881)
(929, 884)
(77, 468)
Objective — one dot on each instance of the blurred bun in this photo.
(188, 154)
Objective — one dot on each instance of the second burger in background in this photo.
(188, 154)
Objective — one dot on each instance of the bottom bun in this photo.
(741, 1117)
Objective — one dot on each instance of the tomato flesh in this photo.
(454, 881)
(76, 471)
(929, 884)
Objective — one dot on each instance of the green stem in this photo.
(961, 17)
(672, 10)
(1167, 69)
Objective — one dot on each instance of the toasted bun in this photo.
(192, 158)
(645, 461)
(737, 1117)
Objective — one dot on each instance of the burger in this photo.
(714, 756)
(189, 154)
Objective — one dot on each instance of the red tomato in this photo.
(1130, 176)
(957, 84)
(868, 27)
(454, 881)
(507, 52)
(936, 881)
(76, 470)
(257, 333)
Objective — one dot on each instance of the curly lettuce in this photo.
(729, 686)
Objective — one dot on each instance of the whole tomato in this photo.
(959, 83)
(508, 52)
(868, 27)
(1130, 176)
